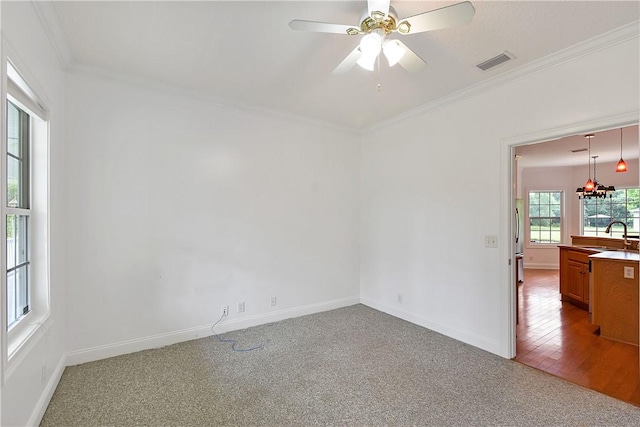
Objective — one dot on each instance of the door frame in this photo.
(507, 203)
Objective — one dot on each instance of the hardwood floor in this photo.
(557, 338)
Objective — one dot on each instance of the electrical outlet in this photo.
(628, 272)
(224, 310)
(241, 307)
(399, 298)
(491, 241)
(274, 301)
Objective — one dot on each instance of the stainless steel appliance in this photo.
(519, 234)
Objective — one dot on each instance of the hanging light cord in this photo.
(589, 159)
(620, 143)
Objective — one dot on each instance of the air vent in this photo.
(579, 150)
(495, 61)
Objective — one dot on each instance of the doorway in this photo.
(550, 335)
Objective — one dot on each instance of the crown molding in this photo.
(53, 28)
(598, 124)
(178, 90)
(603, 41)
(51, 24)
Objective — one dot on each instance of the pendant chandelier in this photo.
(593, 189)
(622, 165)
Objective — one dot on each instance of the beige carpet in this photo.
(350, 367)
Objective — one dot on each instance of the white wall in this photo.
(567, 179)
(178, 206)
(166, 206)
(424, 219)
(24, 391)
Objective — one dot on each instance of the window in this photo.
(17, 213)
(622, 206)
(545, 217)
(23, 218)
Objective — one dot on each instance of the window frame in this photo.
(22, 209)
(535, 244)
(19, 340)
(599, 231)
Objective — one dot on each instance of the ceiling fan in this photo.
(379, 21)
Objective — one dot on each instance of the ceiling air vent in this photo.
(579, 150)
(495, 61)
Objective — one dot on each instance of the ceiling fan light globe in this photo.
(367, 62)
(393, 52)
(371, 44)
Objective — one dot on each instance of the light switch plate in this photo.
(628, 272)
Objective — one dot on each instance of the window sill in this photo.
(22, 339)
(543, 245)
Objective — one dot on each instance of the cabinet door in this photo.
(575, 280)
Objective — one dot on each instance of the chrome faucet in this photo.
(627, 244)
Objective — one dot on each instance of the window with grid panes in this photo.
(622, 206)
(545, 217)
(17, 213)
(24, 222)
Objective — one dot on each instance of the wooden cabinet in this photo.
(574, 276)
(615, 296)
(575, 284)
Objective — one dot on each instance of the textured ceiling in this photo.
(243, 53)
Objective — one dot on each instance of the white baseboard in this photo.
(476, 340)
(541, 266)
(174, 337)
(47, 393)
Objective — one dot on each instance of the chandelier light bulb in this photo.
(622, 165)
(367, 62)
(393, 51)
(593, 189)
(370, 44)
(589, 186)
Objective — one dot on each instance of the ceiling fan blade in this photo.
(348, 62)
(457, 14)
(378, 8)
(322, 27)
(410, 61)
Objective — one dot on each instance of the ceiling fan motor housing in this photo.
(378, 20)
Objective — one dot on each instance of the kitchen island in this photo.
(614, 295)
(600, 274)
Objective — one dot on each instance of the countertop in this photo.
(617, 256)
(600, 252)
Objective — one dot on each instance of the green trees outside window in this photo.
(622, 206)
